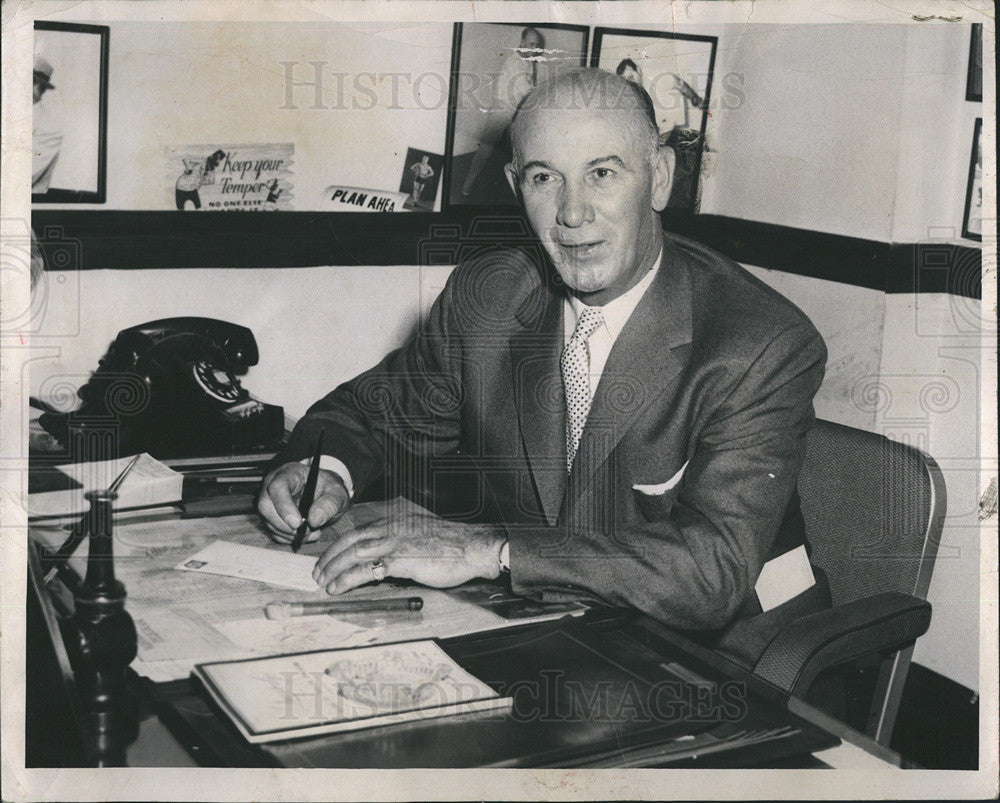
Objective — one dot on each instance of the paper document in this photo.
(286, 569)
(187, 617)
(291, 635)
(150, 482)
(292, 696)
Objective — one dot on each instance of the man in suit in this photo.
(636, 405)
(46, 133)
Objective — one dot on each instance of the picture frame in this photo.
(972, 220)
(70, 113)
(420, 179)
(974, 81)
(491, 70)
(676, 70)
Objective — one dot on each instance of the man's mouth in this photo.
(581, 250)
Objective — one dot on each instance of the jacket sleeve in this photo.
(411, 399)
(693, 567)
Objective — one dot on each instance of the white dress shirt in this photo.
(616, 314)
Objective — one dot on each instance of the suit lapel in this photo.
(538, 395)
(641, 366)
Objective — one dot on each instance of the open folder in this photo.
(329, 691)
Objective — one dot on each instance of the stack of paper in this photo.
(149, 483)
(308, 694)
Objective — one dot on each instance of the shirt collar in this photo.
(617, 311)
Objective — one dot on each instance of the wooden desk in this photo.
(583, 698)
(599, 659)
(157, 747)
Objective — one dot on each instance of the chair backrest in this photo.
(873, 510)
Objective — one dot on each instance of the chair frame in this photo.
(874, 625)
(893, 672)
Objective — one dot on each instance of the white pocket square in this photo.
(663, 487)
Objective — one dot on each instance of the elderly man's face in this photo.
(590, 190)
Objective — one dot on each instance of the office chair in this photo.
(874, 510)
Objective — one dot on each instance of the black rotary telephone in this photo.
(170, 388)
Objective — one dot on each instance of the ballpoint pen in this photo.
(79, 532)
(308, 495)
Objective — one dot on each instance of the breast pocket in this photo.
(655, 507)
(655, 501)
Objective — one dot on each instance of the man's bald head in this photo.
(589, 171)
(599, 91)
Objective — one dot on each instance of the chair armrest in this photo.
(807, 646)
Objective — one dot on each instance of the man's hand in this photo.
(279, 494)
(420, 547)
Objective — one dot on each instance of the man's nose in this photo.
(575, 208)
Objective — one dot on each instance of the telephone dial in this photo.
(171, 388)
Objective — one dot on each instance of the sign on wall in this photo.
(339, 198)
(232, 178)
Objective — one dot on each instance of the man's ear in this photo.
(512, 179)
(663, 175)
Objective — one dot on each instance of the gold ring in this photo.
(378, 570)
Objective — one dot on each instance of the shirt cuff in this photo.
(330, 463)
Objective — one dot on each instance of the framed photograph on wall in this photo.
(972, 221)
(974, 83)
(69, 113)
(676, 70)
(493, 66)
(421, 175)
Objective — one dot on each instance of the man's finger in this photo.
(281, 489)
(331, 500)
(345, 542)
(354, 576)
(281, 533)
(360, 553)
(280, 536)
(265, 507)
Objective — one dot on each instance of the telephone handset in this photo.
(208, 352)
(172, 387)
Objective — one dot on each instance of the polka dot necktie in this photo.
(575, 366)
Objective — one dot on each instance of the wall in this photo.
(935, 135)
(896, 91)
(928, 394)
(780, 160)
(180, 84)
(315, 327)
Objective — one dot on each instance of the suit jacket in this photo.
(708, 389)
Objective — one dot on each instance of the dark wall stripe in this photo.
(88, 239)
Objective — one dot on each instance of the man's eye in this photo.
(604, 173)
(541, 178)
